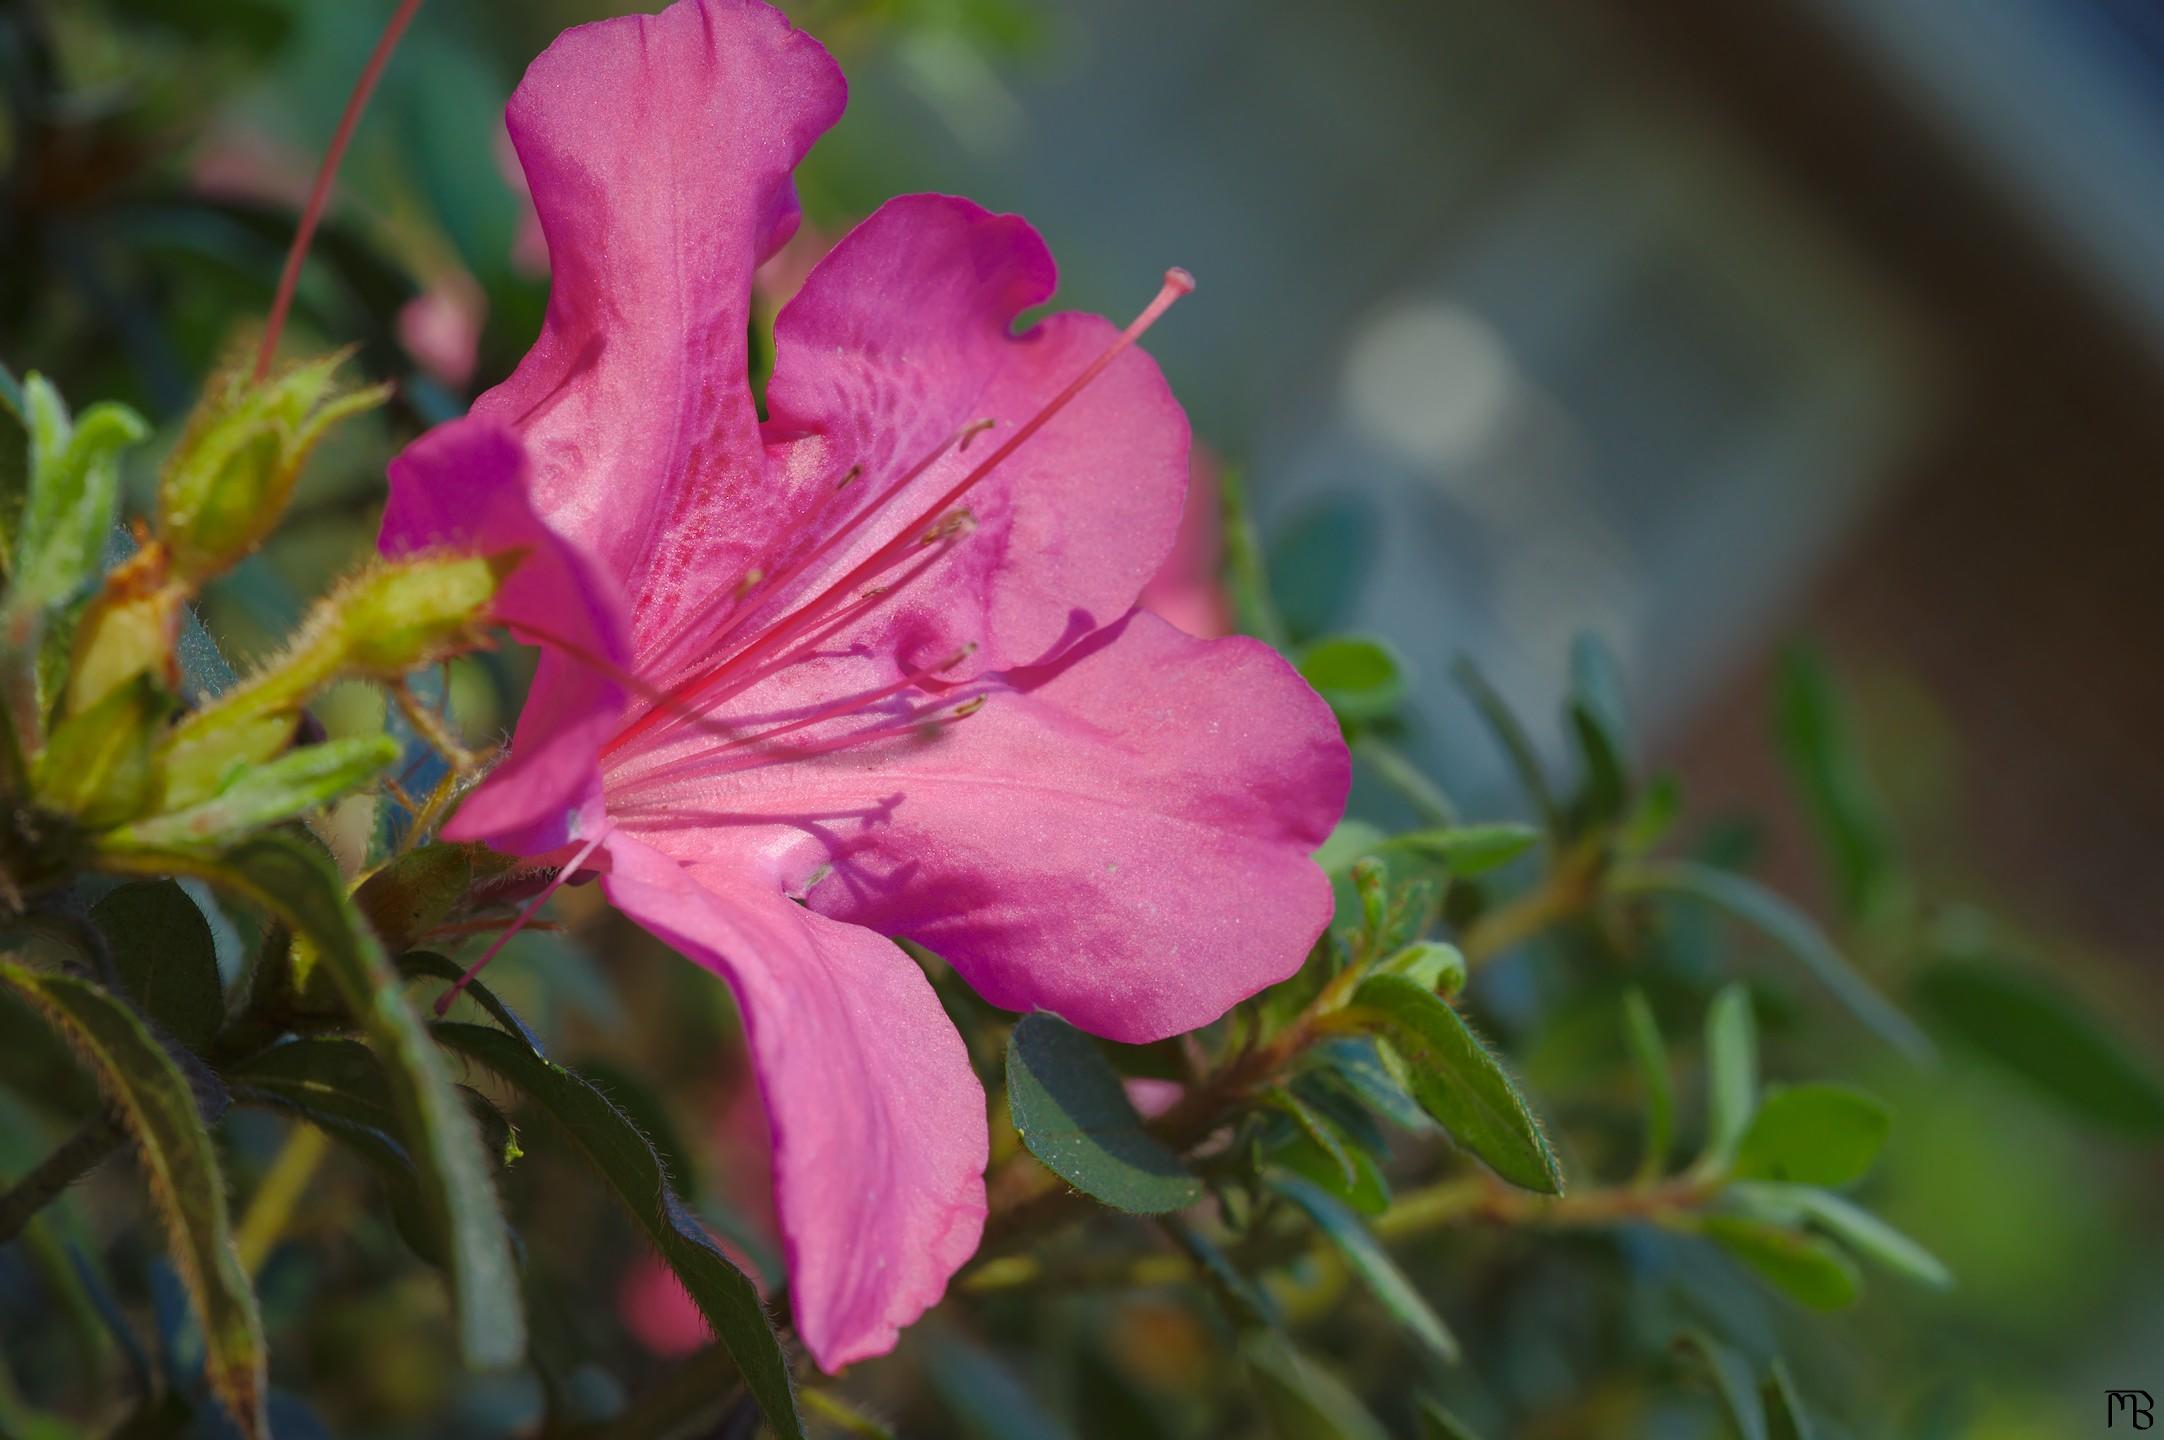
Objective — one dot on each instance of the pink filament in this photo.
(570, 868)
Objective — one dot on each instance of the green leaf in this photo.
(97, 767)
(166, 956)
(1361, 676)
(261, 795)
(1785, 1415)
(1320, 1134)
(1459, 1082)
(1787, 927)
(1363, 1188)
(1373, 1075)
(1852, 1225)
(1822, 754)
(1731, 1071)
(1437, 1423)
(1517, 745)
(158, 1103)
(1430, 964)
(426, 963)
(1650, 1054)
(1470, 849)
(623, 1157)
(297, 885)
(1069, 1108)
(1351, 841)
(1600, 724)
(1732, 1380)
(1813, 1135)
(1371, 1263)
(74, 488)
(412, 893)
(1246, 572)
(2048, 1039)
(1302, 1400)
(1805, 1268)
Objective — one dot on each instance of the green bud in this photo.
(98, 765)
(1429, 964)
(394, 617)
(258, 795)
(228, 480)
(130, 629)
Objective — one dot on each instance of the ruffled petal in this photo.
(464, 486)
(659, 150)
(1122, 837)
(879, 1126)
(903, 336)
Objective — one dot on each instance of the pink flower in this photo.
(1187, 590)
(875, 668)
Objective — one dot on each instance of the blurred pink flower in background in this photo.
(1190, 589)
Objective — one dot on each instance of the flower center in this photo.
(724, 648)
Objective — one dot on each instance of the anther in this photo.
(972, 430)
(750, 581)
(848, 476)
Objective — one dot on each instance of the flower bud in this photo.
(97, 767)
(228, 480)
(130, 629)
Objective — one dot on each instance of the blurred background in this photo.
(1708, 328)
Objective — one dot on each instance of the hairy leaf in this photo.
(1068, 1107)
(1371, 1263)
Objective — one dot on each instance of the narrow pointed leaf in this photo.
(158, 1103)
(1650, 1054)
(1785, 1415)
(1365, 1254)
(1510, 734)
(1786, 926)
(1302, 1400)
(1437, 1423)
(1731, 1071)
(1470, 849)
(297, 886)
(623, 1157)
(1459, 1081)
(1070, 1110)
(261, 795)
(1803, 1267)
(1732, 1380)
(1851, 1224)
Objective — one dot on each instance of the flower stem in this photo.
(271, 1207)
(319, 193)
(76, 1157)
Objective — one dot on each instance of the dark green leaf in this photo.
(1827, 765)
(623, 1157)
(1371, 1263)
(1319, 558)
(1731, 1071)
(1364, 1189)
(1459, 1082)
(1320, 1134)
(297, 885)
(158, 1102)
(1377, 1080)
(1813, 1135)
(1785, 1416)
(1787, 927)
(1302, 1400)
(2043, 1035)
(1805, 1268)
(1517, 745)
(1247, 1303)
(412, 893)
(1650, 1054)
(1437, 1423)
(428, 964)
(1732, 1379)
(166, 956)
(1470, 849)
(1070, 1111)
(1361, 676)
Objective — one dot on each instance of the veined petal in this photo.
(1121, 837)
(880, 1138)
(464, 486)
(901, 338)
(659, 150)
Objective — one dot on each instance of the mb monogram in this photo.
(2134, 1406)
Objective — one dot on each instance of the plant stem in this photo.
(76, 1157)
(319, 194)
(1563, 894)
(271, 1207)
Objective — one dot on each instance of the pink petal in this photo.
(1122, 837)
(1188, 590)
(902, 336)
(463, 485)
(659, 150)
(879, 1126)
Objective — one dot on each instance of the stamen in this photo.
(320, 193)
(570, 868)
(1177, 283)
